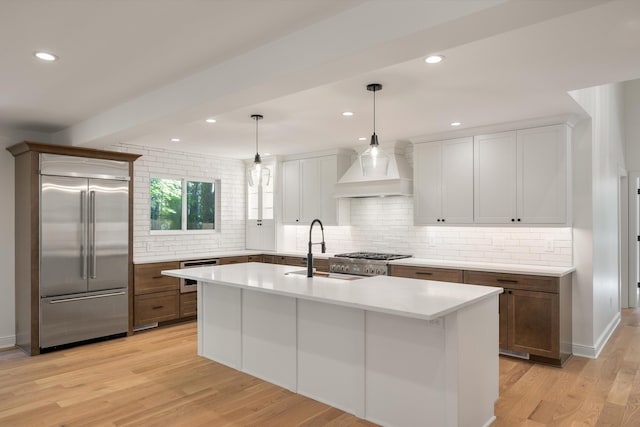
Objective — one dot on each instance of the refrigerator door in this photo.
(72, 318)
(63, 242)
(108, 234)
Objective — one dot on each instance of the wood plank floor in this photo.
(155, 379)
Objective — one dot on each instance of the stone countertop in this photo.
(537, 270)
(220, 254)
(422, 299)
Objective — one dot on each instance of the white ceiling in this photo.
(146, 71)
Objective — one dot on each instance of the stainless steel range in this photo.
(363, 263)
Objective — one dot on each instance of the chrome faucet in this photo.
(310, 255)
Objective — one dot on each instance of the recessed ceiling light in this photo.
(362, 138)
(347, 113)
(210, 120)
(434, 59)
(456, 123)
(45, 56)
(175, 139)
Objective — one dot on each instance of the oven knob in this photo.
(345, 268)
(332, 268)
(381, 272)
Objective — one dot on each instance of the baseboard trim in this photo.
(592, 352)
(6, 342)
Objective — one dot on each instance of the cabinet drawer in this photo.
(234, 260)
(148, 278)
(269, 259)
(255, 258)
(295, 260)
(320, 264)
(157, 307)
(512, 281)
(188, 304)
(427, 273)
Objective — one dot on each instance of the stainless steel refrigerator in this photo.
(83, 249)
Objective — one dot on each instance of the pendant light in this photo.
(374, 161)
(258, 174)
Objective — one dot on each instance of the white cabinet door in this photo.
(457, 181)
(427, 183)
(495, 178)
(443, 182)
(261, 235)
(307, 191)
(542, 175)
(311, 195)
(291, 192)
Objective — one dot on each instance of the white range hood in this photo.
(397, 182)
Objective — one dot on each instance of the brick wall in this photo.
(230, 231)
(385, 225)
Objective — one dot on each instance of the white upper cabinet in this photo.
(260, 225)
(521, 176)
(307, 190)
(543, 158)
(443, 182)
(495, 178)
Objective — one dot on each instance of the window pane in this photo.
(200, 205)
(166, 204)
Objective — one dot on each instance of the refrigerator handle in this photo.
(83, 224)
(92, 235)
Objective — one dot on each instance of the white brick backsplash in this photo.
(230, 233)
(385, 225)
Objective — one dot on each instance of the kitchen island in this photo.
(395, 351)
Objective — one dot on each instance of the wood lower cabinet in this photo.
(426, 273)
(255, 258)
(157, 307)
(188, 304)
(233, 260)
(156, 297)
(535, 314)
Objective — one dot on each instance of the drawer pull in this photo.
(157, 307)
(157, 277)
(506, 281)
(424, 273)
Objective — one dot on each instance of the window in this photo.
(182, 204)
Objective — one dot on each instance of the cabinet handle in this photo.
(157, 307)
(513, 220)
(509, 292)
(157, 277)
(438, 219)
(424, 273)
(506, 281)
(518, 219)
(442, 219)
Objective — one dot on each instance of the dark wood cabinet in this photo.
(427, 273)
(535, 314)
(255, 258)
(157, 297)
(233, 260)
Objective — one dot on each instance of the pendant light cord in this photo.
(374, 111)
(256, 135)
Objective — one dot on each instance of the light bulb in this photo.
(374, 152)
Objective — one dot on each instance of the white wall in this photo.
(229, 233)
(604, 105)
(385, 225)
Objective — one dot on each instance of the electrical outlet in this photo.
(431, 241)
(548, 245)
(149, 246)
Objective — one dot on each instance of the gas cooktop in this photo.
(372, 256)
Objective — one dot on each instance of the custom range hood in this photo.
(398, 180)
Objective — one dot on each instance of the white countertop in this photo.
(539, 270)
(415, 298)
(220, 254)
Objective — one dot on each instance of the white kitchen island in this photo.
(395, 351)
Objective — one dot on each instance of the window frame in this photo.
(183, 226)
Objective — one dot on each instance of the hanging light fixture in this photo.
(374, 161)
(258, 174)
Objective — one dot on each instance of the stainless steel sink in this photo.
(326, 275)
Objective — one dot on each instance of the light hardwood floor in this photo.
(155, 379)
